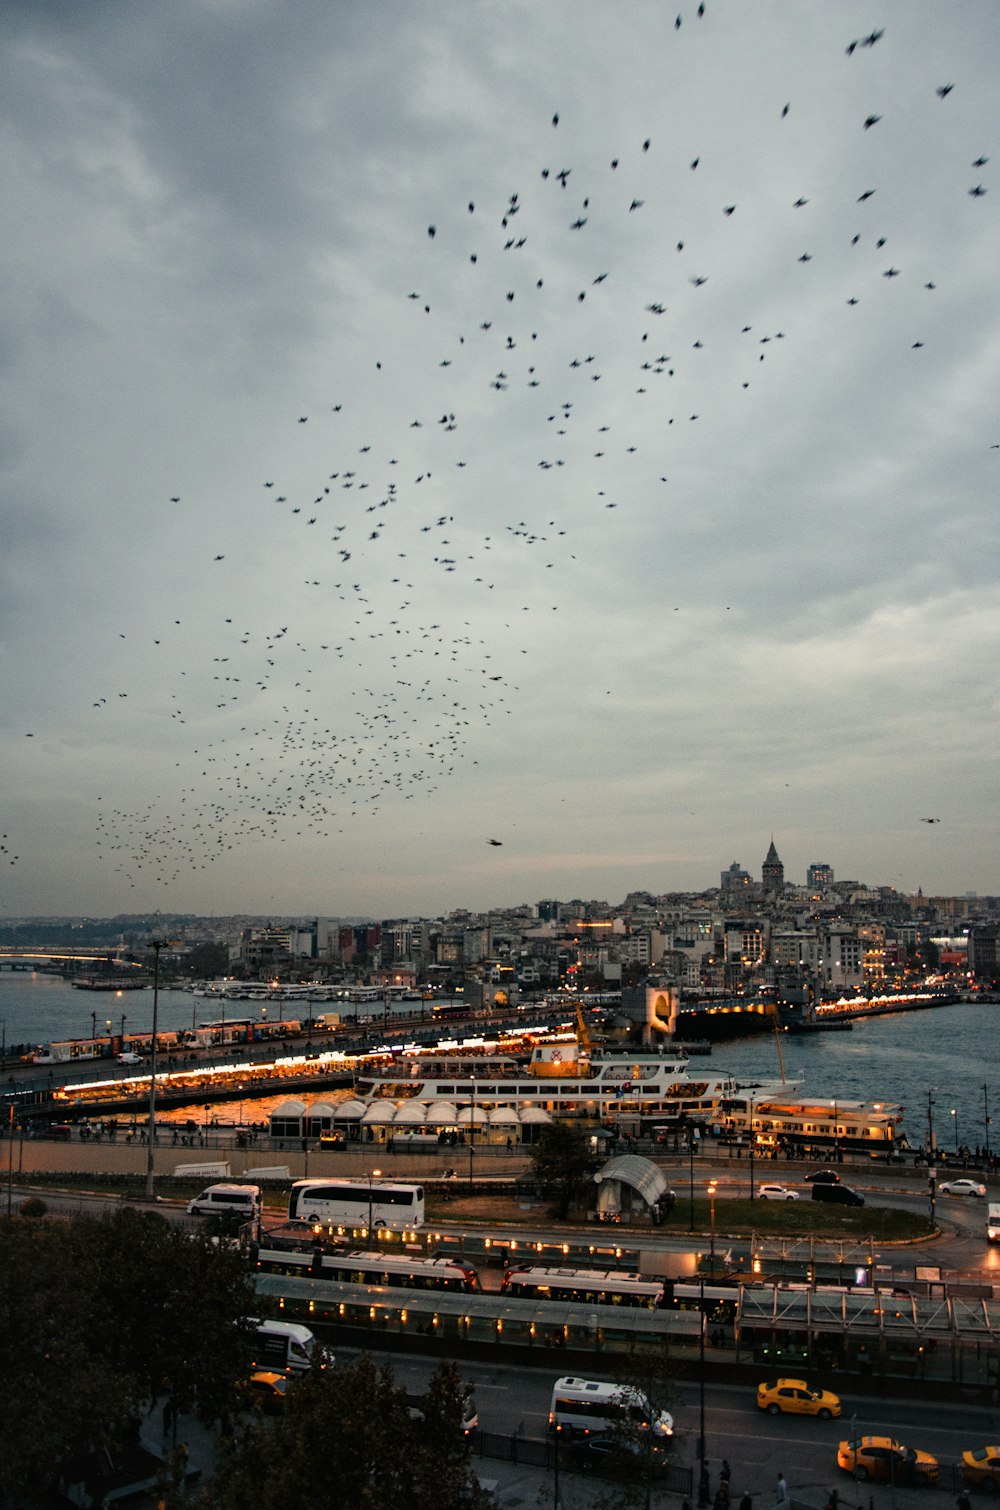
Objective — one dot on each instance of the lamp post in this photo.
(753, 1145)
(702, 1487)
(93, 1027)
(986, 1120)
(157, 945)
(690, 1133)
(954, 1113)
(472, 1131)
(711, 1201)
(373, 1176)
(124, 1020)
(931, 1171)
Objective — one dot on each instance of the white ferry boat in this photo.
(629, 1092)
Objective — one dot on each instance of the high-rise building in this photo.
(818, 875)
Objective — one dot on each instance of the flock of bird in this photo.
(291, 734)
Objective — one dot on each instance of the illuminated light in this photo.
(435, 1320)
(312, 1307)
(342, 1309)
(499, 1324)
(402, 1317)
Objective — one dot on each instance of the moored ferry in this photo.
(627, 1092)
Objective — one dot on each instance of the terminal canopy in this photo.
(636, 1174)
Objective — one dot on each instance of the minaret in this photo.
(773, 872)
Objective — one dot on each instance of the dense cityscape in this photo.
(747, 935)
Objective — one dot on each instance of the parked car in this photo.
(963, 1187)
(776, 1193)
(822, 1177)
(621, 1459)
(981, 1468)
(793, 1397)
(886, 1459)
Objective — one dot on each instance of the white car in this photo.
(962, 1187)
(776, 1193)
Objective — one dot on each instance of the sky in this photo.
(569, 424)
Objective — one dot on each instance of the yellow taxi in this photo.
(793, 1397)
(885, 1458)
(981, 1467)
(265, 1390)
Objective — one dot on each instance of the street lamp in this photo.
(711, 1199)
(157, 945)
(373, 1176)
(954, 1113)
(702, 1476)
(931, 1171)
(986, 1117)
(690, 1133)
(753, 1143)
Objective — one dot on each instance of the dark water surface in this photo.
(949, 1053)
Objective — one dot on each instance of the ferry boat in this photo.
(629, 1092)
(784, 1124)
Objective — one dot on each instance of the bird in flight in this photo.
(930, 820)
(496, 843)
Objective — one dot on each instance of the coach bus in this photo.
(354, 1204)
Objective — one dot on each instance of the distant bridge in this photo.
(19, 959)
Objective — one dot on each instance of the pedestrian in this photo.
(833, 1500)
(746, 1500)
(725, 1472)
(781, 1490)
(963, 1502)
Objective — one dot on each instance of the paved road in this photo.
(757, 1446)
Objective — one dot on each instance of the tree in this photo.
(649, 1377)
(565, 1164)
(98, 1317)
(347, 1436)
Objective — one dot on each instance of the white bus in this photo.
(587, 1407)
(356, 1204)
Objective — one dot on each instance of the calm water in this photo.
(945, 1051)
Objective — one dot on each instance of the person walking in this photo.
(746, 1500)
(780, 1492)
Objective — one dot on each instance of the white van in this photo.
(993, 1222)
(286, 1347)
(587, 1407)
(242, 1201)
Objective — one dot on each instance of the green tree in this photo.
(564, 1164)
(98, 1317)
(347, 1436)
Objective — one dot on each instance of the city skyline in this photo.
(461, 454)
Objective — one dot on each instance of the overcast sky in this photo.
(429, 423)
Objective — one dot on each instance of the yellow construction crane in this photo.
(583, 1037)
